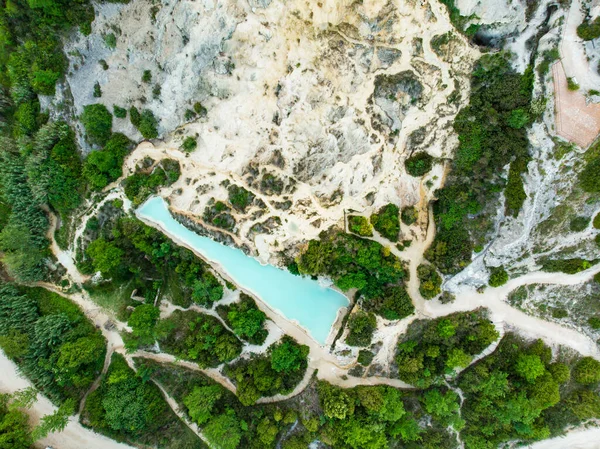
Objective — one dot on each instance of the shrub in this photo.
(119, 112)
(147, 76)
(199, 109)
(394, 303)
(239, 197)
(418, 164)
(587, 371)
(572, 84)
(97, 90)
(360, 225)
(135, 116)
(589, 30)
(579, 224)
(97, 121)
(596, 222)
(409, 215)
(588, 178)
(498, 276)
(430, 281)
(362, 326)
(594, 322)
(148, 125)
(110, 40)
(386, 222)
(189, 144)
(569, 266)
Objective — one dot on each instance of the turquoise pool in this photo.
(297, 298)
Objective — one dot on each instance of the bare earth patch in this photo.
(576, 120)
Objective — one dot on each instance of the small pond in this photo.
(296, 298)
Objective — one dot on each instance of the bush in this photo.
(588, 178)
(110, 40)
(362, 326)
(386, 222)
(189, 144)
(119, 112)
(97, 90)
(572, 84)
(239, 197)
(569, 266)
(147, 76)
(430, 349)
(587, 371)
(596, 222)
(419, 164)
(430, 281)
(246, 320)
(579, 224)
(97, 121)
(589, 30)
(594, 322)
(360, 225)
(394, 303)
(409, 215)
(148, 125)
(498, 276)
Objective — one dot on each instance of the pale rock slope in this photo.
(322, 98)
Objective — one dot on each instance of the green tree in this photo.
(587, 371)
(529, 367)
(288, 356)
(336, 402)
(362, 326)
(106, 256)
(97, 121)
(224, 431)
(498, 276)
(143, 320)
(201, 402)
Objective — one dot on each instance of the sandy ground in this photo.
(576, 120)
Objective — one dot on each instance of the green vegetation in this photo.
(517, 393)
(419, 164)
(572, 84)
(409, 215)
(578, 224)
(589, 30)
(498, 276)
(146, 76)
(433, 349)
(119, 112)
(239, 197)
(219, 215)
(549, 56)
(142, 184)
(430, 282)
(53, 343)
(189, 144)
(277, 372)
(145, 122)
(360, 225)
(596, 222)
(128, 408)
(485, 146)
(145, 259)
(362, 264)
(588, 177)
(386, 222)
(587, 371)
(245, 319)
(97, 121)
(361, 327)
(207, 403)
(459, 21)
(105, 166)
(569, 266)
(197, 337)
